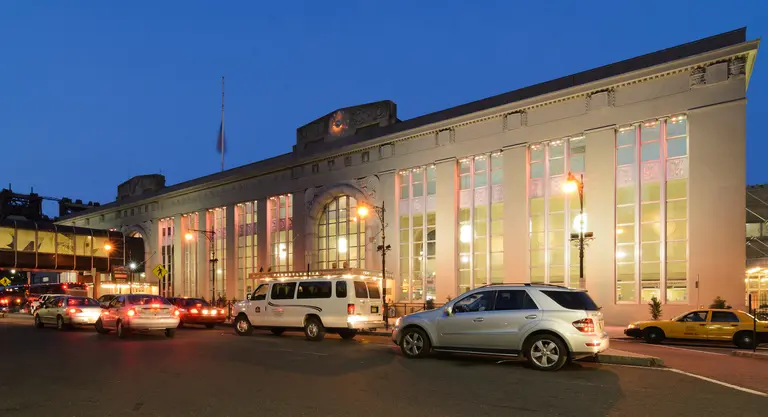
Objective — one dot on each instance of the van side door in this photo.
(282, 308)
(256, 309)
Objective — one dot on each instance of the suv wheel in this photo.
(243, 326)
(414, 343)
(546, 352)
(314, 329)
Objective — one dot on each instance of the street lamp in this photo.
(210, 235)
(107, 247)
(572, 185)
(363, 212)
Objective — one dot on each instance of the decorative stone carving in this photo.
(345, 122)
(737, 67)
(140, 185)
(369, 186)
(597, 100)
(698, 77)
(386, 151)
(309, 198)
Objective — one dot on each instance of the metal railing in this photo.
(757, 306)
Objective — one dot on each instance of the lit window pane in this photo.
(626, 292)
(677, 147)
(537, 169)
(677, 189)
(677, 230)
(625, 195)
(651, 151)
(537, 241)
(677, 209)
(578, 163)
(556, 166)
(537, 206)
(625, 253)
(650, 252)
(677, 270)
(650, 212)
(650, 271)
(537, 153)
(677, 128)
(625, 234)
(625, 156)
(649, 132)
(537, 258)
(625, 137)
(556, 204)
(625, 214)
(537, 275)
(625, 272)
(650, 232)
(676, 251)
(650, 191)
(481, 180)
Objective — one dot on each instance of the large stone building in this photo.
(474, 193)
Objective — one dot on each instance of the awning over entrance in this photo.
(48, 246)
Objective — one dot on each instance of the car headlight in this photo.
(398, 321)
(632, 326)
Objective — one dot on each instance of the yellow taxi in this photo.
(703, 324)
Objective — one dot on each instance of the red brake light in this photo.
(131, 313)
(213, 312)
(176, 312)
(221, 311)
(350, 309)
(194, 311)
(65, 286)
(155, 306)
(74, 310)
(585, 325)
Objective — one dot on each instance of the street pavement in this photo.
(216, 373)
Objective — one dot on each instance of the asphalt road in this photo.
(216, 373)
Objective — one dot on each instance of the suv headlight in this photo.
(398, 321)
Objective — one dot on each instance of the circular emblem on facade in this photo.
(338, 123)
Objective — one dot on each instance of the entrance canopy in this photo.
(48, 246)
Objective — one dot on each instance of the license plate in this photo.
(374, 309)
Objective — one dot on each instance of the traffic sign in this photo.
(5, 282)
(160, 271)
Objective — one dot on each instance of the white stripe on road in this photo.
(725, 384)
(691, 349)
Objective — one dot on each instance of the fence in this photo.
(758, 306)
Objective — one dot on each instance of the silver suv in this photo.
(546, 324)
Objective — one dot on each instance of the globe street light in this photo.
(572, 185)
(362, 212)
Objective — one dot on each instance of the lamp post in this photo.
(572, 185)
(210, 235)
(363, 212)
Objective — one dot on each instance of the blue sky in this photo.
(93, 93)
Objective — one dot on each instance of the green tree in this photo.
(718, 303)
(654, 307)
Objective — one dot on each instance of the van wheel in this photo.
(546, 352)
(38, 323)
(347, 334)
(277, 331)
(100, 327)
(314, 329)
(414, 343)
(122, 332)
(243, 326)
(744, 340)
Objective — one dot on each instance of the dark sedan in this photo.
(198, 311)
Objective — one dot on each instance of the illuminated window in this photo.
(281, 232)
(554, 214)
(167, 231)
(481, 221)
(217, 223)
(341, 235)
(189, 224)
(652, 211)
(247, 245)
(417, 225)
(753, 230)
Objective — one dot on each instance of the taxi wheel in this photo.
(243, 326)
(170, 333)
(744, 340)
(314, 330)
(653, 335)
(38, 323)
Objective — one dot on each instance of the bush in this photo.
(654, 307)
(718, 303)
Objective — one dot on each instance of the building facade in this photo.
(473, 195)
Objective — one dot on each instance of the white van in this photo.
(340, 305)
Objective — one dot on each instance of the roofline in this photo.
(582, 78)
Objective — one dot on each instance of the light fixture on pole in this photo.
(210, 235)
(363, 212)
(576, 185)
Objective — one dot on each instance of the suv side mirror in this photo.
(448, 311)
(248, 296)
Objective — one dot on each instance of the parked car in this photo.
(67, 311)
(138, 312)
(703, 324)
(36, 304)
(342, 305)
(4, 307)
(546, 324)
(198, 311)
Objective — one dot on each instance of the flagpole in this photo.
(222, 123)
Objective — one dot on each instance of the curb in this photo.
(748, 354)
(643, 361)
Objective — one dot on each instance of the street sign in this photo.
(5, 282)
(160, 271)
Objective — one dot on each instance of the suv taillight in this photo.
(350, 309)
(585, 325)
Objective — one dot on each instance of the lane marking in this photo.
(683, 349)
(725, 384)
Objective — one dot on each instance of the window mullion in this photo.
(638, 206)
(546, 185)
(663, 212)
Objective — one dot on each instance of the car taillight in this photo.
(350, 309)
(131, 313)
(74, 310)
(155, 306)
(175, 312)
(194, 311)
(205, 311)
(221, 311)
(585, 325)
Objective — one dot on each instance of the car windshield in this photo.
(82, 302)
(195, 302)
(572, 300)
(146, 299)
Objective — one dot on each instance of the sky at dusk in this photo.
(93, 93)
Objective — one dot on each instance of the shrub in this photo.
(654, 307)
(718, 303)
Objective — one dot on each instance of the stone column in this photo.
(262, 227)
(447, 267)
(203, 258)
(178, 257)
(299, 225)
(516, 215)
(232, 274)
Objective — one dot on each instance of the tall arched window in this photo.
(340, 235)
